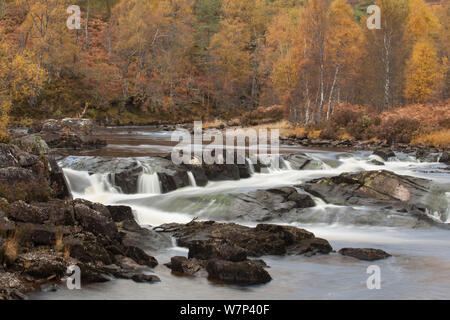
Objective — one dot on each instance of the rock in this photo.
(302, 200)
(93, 220)
(384, 154)
(22, 212)
(70, 134)
(199, 174)
(41, 264)
(135, 235)
(140, 256)
(264, 205)
(264, 239)
(59, 212)
(58, 181)
(301, 161)
(216, 249)
(49, 287)
(376, 162)
(90, 252)
(120, 213)
(219, 172)
(32, 144)
(244, 272)
(23, 184)
(149, 278)
(171, 180)
(445, 158)
(365, 254)
(12, 156)
(42, 237)
(73, 124)
(185, 266)
(369, 188)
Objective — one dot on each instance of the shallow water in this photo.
(419, 268)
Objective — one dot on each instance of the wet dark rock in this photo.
(301, 161)
(22, 212)
(369, 188)
(384, 154)
(365, 253)
(265, 205)
(199, 174)
(216, 249)
(148, 278)
(120, 213)
(43, 237)
(219, 172)
(58, 181)
(244, 272)
(171, 180)
(185, 266)
(376, 162)
(90, 252)
(95, 221)
(445, 158)
(264, 239)
(138, 255)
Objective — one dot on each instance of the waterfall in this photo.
(251, 167)
(82, 183)
(191, 179)
(286, 163)
(149, 183)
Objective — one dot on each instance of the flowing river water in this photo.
(419, 268)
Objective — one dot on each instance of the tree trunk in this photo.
(87, 24)
(331, 92)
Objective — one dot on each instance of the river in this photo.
(419, 268)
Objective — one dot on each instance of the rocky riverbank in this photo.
(43, 231)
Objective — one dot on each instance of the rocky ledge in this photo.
(223, 249)
(414, 197)
(43, 231)
(68, 133)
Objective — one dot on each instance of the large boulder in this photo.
(23, 176)
(95, 218)
(369, 188)
(58, 181)
(264, 239)
(33, 144)
(70, 133)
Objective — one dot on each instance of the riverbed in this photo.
(418, 269)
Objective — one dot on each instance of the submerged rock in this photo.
(384, 154)
(367, 254)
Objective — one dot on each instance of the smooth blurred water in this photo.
(419, 268)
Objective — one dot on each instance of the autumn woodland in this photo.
(312, 63)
